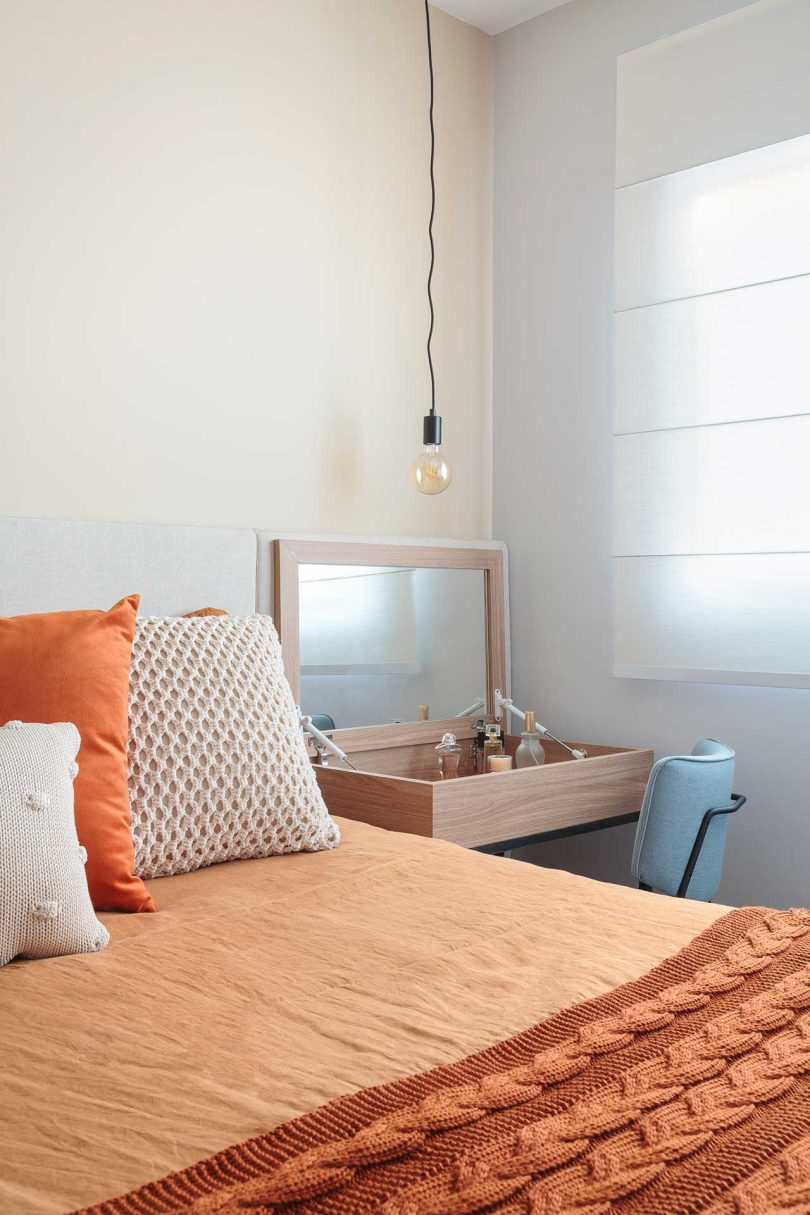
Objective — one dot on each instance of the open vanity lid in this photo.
(372, 633)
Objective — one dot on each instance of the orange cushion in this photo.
(204, 612)
(74, 666)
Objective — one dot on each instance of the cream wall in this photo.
(213, 248)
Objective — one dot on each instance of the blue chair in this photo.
(683, 822)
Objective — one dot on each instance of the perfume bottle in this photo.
(530, 753)
(493, 744)
(449, 755)
(477, 744)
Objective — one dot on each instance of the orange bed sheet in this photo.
(263, 989)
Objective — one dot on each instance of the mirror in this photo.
(377, 641)
(372, 632)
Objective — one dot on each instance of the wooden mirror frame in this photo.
(289, 554)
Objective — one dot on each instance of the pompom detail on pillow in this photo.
(45, 907)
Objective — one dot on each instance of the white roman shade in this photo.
(712, 352)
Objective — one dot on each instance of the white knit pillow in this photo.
(45, 908)
(218, 769)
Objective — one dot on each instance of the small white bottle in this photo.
(530, 753)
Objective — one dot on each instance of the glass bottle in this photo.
(530, 753)
(493, 744)
(477, 744)
(449, 754)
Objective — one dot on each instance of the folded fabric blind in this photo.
(712, 352)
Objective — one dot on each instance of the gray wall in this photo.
(554, 165)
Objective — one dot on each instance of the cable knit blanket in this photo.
(687, 1090)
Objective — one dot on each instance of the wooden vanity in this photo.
(400, 788)
(398, 784)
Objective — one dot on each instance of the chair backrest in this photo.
(680, 790)
(322, 721)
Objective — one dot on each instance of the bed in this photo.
(263, 990)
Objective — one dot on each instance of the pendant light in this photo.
(430, 471)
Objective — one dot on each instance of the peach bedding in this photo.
(262, 989)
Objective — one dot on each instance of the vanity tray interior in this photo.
(400, 788)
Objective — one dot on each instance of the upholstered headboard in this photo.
(49, 565)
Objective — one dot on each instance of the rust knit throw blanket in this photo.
(687, 1090)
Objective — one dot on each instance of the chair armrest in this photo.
(737, 800)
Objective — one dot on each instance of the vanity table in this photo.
(371, 632)
(494, 812)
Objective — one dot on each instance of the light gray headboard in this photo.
(48, 565)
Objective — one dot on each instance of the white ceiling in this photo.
(494, 16)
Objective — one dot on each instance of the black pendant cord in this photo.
(432, 214)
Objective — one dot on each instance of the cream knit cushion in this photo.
(45, 907)
(218, 769)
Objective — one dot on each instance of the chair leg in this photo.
(644, 886)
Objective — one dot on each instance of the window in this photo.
(712, 354)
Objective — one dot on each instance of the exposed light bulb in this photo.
(431, 472)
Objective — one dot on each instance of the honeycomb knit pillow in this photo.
(45, 908)
(218, 768)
